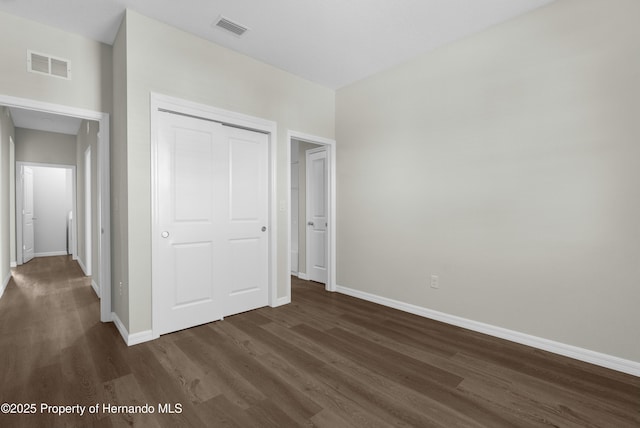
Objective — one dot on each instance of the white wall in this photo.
(52, 202)
(6, 131)
(166, 60)
(508, 164)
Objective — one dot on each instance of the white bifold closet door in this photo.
(211, 253)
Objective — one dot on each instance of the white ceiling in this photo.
(41, 121)
(331, 42)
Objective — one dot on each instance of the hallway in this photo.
(53, 346)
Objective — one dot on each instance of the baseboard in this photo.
(95, 287)
(82, 266)
(131, 339)
(4, 284)
(586, 355)
(281, 301)
(13, 264)
(303, 276)
(51, 254)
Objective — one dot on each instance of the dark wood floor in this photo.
(325, 360)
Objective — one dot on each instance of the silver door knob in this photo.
(165, 234)
(310, 223)
(264, 228)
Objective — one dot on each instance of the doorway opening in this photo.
(312, 209)
(102, 219)
(45, 201)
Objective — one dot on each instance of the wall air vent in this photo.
(229, 25)
(49, 65)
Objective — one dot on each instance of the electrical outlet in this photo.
(434, 281)
(120, 288)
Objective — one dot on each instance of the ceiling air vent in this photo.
(49, 65)
(229, 25)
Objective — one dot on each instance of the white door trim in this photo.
(308, 253)
(331, 155)
(88, 245)
(104, 192)
(160, 102)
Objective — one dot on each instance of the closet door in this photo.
(210, 252)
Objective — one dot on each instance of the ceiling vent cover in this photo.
(229, 25)
(49, 65)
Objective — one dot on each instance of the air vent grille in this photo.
(229, 25)
(49, 65)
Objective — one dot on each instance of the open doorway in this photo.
(311, 188)
(95, 124)
(45, 199)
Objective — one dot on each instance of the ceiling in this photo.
(330, 42)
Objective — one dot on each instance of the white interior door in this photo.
(317, 214)
(210, 244)
(28, 232)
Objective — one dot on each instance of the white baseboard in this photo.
(586, 355)
(13, 264)
(95, 287)
(50, 254)
(82, 266)
(281, 301)
(131, 339)
(303, 276)
(4, 284)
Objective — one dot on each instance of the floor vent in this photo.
(49, 65)
(229, 25)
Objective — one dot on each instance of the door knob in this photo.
(165, 234)
(264, 228)
(310, 223)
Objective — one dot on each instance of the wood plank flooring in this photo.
(325, 360)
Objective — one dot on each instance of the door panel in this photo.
(193, 261)
(246, 176)
(317, 214)
(192, 153)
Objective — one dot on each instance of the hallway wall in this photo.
(6, 131)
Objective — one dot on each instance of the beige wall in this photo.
(45, 147)
(508, 164)
(90, 84)
(191, 68)
(119, 206)
(6, 131)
